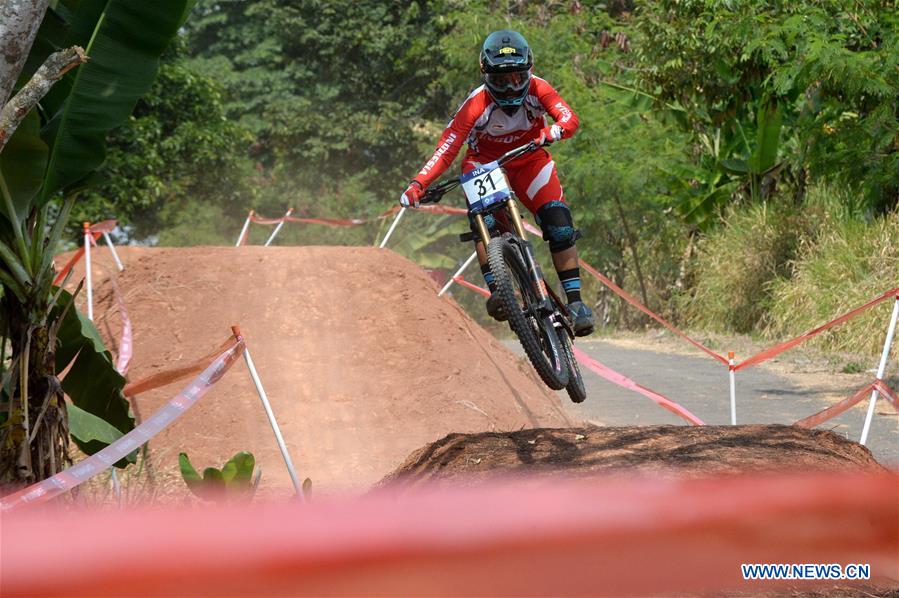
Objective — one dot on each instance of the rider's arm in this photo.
(557, 108)
(453, 138)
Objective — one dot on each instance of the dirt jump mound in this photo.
(684, 450)
(361, 360)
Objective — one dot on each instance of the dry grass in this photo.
(850, 263)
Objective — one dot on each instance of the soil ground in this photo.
(362, 362)
(692, 451)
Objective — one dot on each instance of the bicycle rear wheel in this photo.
(536, 333)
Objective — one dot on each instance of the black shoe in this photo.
(583, 318)
(496, 310)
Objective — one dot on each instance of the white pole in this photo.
(243, 231)
(278, 228)
(392, 226)
(733, 389)
(115, 255)
(88, 241)
(880, 371)
(87, 268)
(458, 272)
(271, 420)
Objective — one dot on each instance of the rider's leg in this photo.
(537, 185)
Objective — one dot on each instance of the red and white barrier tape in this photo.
(460, 280)
(126, 342)
(609, 374)
(611, 536)
(836, 409)
(104, 459)
(343, 222)
(625, 382)
(633, 301)
(778, 349)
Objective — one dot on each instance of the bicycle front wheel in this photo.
(515, 290)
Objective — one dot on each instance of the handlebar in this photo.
(436, 192)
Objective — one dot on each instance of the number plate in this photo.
(485, 186)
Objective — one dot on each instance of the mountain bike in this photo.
(537, 316)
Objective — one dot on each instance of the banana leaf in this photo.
(124, 39)
(91, 381)
(22, 165)
(764, 155)
(92, 434)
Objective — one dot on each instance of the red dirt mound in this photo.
(361, 360)
(685, 450)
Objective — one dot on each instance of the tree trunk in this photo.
(19, 22)
(35, 444)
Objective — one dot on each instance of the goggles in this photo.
(509, 81)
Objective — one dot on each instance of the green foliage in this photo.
(123, 39)
(831, 68)
(92, 433)
(76, 122)
(330, 90)
(22, 165)
(233, 482)
(176, 156)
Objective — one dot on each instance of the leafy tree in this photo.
(177, 155)
(823, 72)
(332, 91)
(58, 150)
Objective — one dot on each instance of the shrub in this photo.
(850, 262)
(738, 263)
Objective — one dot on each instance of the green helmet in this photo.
(506, 62)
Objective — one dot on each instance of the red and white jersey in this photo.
(490, 132)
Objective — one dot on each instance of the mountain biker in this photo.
(508, 111)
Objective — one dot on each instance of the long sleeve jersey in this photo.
(490, 132)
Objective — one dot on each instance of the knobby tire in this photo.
(510, 272)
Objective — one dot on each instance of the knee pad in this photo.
(555, 221)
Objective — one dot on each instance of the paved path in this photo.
(701, 385)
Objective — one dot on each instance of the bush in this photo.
(851, 262)
(738, 263)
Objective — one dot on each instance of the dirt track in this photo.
(655, 450)
(362, 362)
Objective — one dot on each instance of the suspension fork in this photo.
(528, 253)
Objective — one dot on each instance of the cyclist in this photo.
(507, 111)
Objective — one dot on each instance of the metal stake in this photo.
(880, 371)
(458, 272)
(278, 228)
(243, 231)
(115, 255)
(271, 417)
(733, 391)
(392, 227)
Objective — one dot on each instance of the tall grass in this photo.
(738, 264)
(848, 262)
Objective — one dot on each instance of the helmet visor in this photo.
(509, 82)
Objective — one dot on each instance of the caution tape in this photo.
(346, 222)
(609, 374)
(778, 349)
(611, 535)
(625, 382)
(838, 408)
(104, 459)
(126, 342)
(468, 285)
